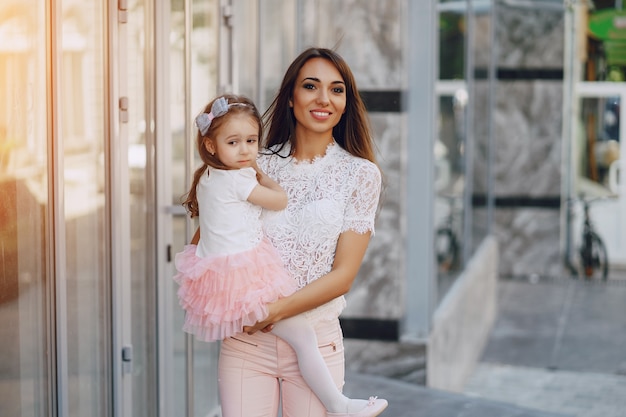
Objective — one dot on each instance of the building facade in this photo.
(470, 106)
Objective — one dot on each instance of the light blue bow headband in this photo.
(219, 108)
(203, 120)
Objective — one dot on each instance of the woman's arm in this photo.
(351, 248)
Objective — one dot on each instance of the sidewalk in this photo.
(411, 400)
(558, 348)
(574, 393)
(558, 345)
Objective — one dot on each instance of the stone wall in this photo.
(527, 140)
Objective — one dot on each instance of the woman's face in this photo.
(319, 96)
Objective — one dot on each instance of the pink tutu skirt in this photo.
(222, 294)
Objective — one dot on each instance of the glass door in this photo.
(600, 158)
(26, 280)
(453, 142)
(187, 77)
(133, 174)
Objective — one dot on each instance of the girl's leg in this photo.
(248, 381)
(298, 332)
(298, 400)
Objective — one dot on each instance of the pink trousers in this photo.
(255, 370)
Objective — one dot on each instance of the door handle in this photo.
(127, 359)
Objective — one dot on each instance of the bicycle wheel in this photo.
(447, 249)
(596, 264)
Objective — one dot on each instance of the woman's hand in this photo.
(349, 254)
(267, 324)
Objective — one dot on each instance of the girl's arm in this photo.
(268, 194)
(351, 248)
(196, 237)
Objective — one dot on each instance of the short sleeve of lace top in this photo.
(362, 204)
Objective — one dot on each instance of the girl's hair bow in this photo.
(203, 120)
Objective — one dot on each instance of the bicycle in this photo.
(593, 259)
(447, 245)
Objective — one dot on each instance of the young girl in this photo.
(229, 276)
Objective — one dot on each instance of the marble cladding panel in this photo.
(529, 241)
(527, 138)
(481, 137)
(368, 34)
(378, 289)
(529, 38)
(483, 49)
(527, 124)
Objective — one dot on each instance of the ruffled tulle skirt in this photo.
(222, 294)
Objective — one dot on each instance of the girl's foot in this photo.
(373, 408)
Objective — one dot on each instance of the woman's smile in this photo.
(321, 115)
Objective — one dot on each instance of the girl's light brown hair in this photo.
(246, 107)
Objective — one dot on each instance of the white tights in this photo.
(297, 331)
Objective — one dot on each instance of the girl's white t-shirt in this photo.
(228, 222)
(327, 196)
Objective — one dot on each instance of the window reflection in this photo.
(602, 50)
(451, 184)
(452, 41)
(141, 189)
(599, 147)
(23, 205)
(82, 138)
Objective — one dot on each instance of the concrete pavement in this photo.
(583, 394)
(558, 345)
(410, 400)
(558, 348)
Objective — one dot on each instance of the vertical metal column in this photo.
(117, 200)
(468, 189)
(571, 76)
(163, 218)
(189, 157)
(422, 129)
(56, 197)
(493, 62)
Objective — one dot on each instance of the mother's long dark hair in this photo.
(353, 132)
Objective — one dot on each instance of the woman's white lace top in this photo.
(327, 196)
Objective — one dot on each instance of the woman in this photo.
(320, 150)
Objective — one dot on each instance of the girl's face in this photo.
(237, 141)
(319, 96)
